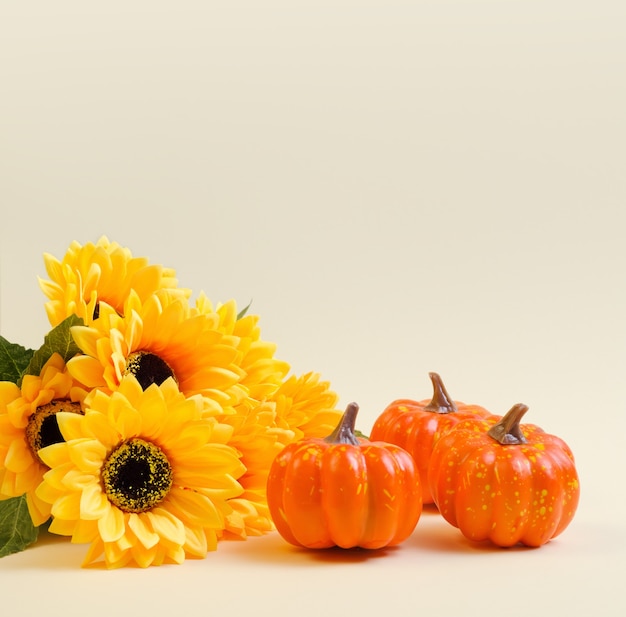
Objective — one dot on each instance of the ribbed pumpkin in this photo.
(417, 425)
(344, 491)
(499, 480)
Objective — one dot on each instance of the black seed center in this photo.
(43, 428)
(148, 368)
(50, 432)
(137, 476)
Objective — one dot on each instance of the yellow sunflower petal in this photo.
(194, 508)
(38, 509)
(93, 503)
(66, 507)
(86, 338)
(111, 524)
(167, 526)
(142, 530)
(8, 393)
(85, 532)
(116, 557)
(144, 556)
(87, 454)
(94, 552)
(70, 425)
(97, 426)
(196, 541)
(87, 370)
(54, 455)
(62, 527)
(18, 457)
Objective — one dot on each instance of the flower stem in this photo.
(344, 433)
(441, 401)
(508, 431)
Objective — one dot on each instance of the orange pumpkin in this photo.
(344, 491)
(417, 425)
(496, 479)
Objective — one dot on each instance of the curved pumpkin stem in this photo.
(508, 430)
(344, 433)
(441, 401)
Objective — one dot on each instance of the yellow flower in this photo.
(144, 476)
(28, 422)
(255, 433)
(258, 440)
(307, 406)
(157, 339)
(262, 372)
(103, 271)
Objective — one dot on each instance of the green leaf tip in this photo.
(13, 360)
(58, 340)
(17, 531)
(244, 310)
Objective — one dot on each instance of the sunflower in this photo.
(255, 433)
(263, 373)
(144, 476)
(258, 440)
(28, 423)
(157, 339)
(103, 271)
(306, 406)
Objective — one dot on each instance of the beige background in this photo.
(399, 187)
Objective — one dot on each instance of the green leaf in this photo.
(13, 360)
(244, 310)
(16, 527)
(58, 340)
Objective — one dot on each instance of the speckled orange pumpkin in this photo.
(499, 480)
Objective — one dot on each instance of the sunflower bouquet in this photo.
(146, 423)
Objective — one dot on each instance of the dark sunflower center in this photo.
(137, 476)
(43, 428)
(148, 368)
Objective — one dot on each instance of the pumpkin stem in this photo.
(507, 430)
(344, 433)
(441, 401)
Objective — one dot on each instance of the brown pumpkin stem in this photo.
(508, 430)
(441, 401)
(344, 433)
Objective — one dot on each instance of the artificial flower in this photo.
(255, 434)
(263, 373)
(28, 423)
(156, 339)
(104, 271)
(175, 415)
(144, 476)
(306, 405)
(258, 441)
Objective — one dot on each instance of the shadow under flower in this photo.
(48, 552)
